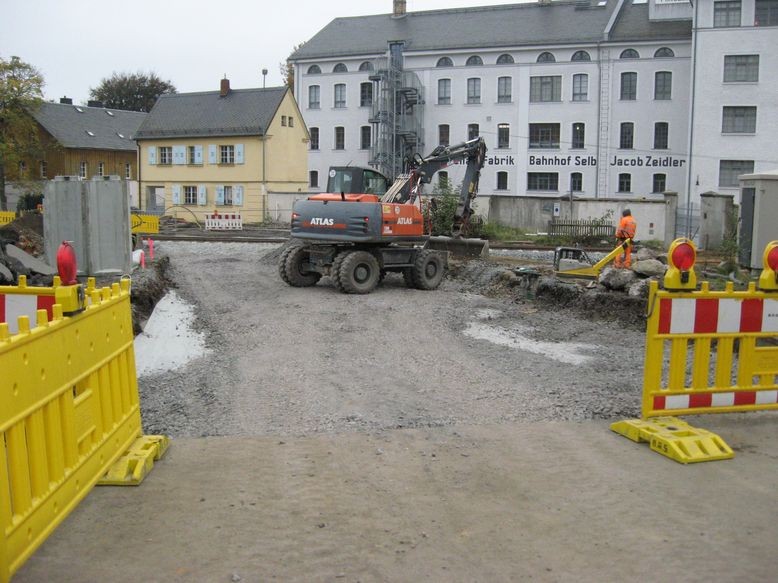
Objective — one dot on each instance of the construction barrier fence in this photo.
(7, 217)
(223, 222)
(706, 352)
(69, 412)
(145, 224)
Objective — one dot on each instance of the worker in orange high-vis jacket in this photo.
(626, 230)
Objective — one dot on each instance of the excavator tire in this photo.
(359, 272)
(294, 274)
(335, 269)
(428, 270)
(282, 262)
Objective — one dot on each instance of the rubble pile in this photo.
(21, 252)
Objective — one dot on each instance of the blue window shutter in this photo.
(198, 154)
(239, 153)
(212, 153)
(220, 195)
(179, 155)
(202, 195)
(176, 194)
(152, 155)
(237, 197)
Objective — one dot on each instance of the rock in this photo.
(6, 277)
(553, 289)
(639, 289)
(649, 267)
(617, 279)
(645, 253)
(33, 264)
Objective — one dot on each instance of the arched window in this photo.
(546, 58)
(664, 53)
(366, 66)
(581, 56)
(473, 61)
(314, 70)
(629, 54)
(445, 62)
(340, 68)
(505, 59)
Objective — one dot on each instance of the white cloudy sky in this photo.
(193, 43)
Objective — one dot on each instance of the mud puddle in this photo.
(169, 340)
(517, 337)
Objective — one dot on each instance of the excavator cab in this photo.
(356, 180)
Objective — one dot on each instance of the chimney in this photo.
(66, 100)
(225, 87)
(94, 103)
(399, 9)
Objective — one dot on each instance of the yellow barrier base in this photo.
(137, 462)
(675, 439)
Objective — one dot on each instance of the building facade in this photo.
(592, 99)
(221, 151)
(82, 141)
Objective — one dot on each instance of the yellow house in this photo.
(221, 151)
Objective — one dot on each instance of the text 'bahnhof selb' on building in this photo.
(598, 98)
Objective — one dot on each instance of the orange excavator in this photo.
(362, 228)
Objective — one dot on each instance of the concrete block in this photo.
(34, 264)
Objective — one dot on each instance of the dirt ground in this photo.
(410, 435)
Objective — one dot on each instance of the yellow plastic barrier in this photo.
(706, 352)
(144, 223)
(69, 416)
(7, 217)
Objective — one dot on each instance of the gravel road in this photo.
(293, 361)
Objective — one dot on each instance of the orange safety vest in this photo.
(627, 228)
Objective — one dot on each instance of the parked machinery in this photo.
(363, 228)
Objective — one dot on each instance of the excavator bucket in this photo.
(460, 247)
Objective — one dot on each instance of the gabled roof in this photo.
(480, 27)
(242, 112)
(92, 128)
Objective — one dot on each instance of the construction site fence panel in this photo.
(145, 224)
(69, 408)
(223, 222)
(710, 351)
(580, 228)
(6, 217)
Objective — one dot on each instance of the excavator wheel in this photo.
(282, 261)
(428, 270)
(359, 272)
(335, 269)
(294, 274)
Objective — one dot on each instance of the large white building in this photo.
(600, 98)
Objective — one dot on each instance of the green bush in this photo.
(29, 201)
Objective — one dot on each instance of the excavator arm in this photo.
(474, 153)
(422, 170)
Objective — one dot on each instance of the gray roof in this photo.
(560, 22)
(73, 125)
(633, 24)
(480, 27)
(242, 112)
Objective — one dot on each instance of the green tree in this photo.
(131, 91)
(21, 91)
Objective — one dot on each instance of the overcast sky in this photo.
(192, 43)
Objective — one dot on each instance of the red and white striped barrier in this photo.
(709, 401)
(14, 305)
(223, 222)
(717, 315)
